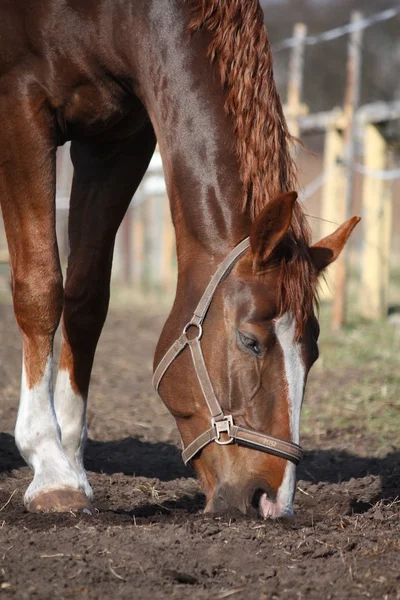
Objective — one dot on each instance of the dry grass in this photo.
(355, 385)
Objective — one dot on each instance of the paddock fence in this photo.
(358, 140)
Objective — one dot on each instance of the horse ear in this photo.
(324, 252)
(271, 225)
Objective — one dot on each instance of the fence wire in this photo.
(320, 180)
(333, 34)
(385, 175)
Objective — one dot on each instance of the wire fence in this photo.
(337, 32)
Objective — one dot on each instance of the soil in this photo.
(149, 537)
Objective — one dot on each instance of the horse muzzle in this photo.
(255, 499)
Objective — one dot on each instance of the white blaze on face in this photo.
(285, 328)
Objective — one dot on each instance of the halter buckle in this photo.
(223, 426)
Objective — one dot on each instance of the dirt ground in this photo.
(149, 537)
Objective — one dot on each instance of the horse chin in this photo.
(273, 510)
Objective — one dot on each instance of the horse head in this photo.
(259, 331)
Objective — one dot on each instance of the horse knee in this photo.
(38, 303)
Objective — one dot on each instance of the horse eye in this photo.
(249, 343)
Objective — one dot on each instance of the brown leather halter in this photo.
(220, 423)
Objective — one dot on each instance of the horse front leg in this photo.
(27, 195)
(106, 176)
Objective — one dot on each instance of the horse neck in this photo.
(205, 195)
(185, 100)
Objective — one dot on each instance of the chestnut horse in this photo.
(113, 76)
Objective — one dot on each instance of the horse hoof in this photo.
(66, 500)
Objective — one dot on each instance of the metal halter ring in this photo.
(199, 327)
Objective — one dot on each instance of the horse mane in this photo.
(241, 50)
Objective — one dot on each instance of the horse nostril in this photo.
(255, 500)
(220, 500)
(241, 498)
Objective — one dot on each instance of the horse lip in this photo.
(272, 509)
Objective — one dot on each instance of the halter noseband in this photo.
(220, 423)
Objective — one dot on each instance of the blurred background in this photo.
(336, 66)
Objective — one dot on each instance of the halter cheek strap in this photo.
(220, 423)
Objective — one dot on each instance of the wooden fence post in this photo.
(332, 197)
(352, 98)
(377, 213)
(138, 240)
(168, 275)
(295, 79)
(149, 213)
(64, 174)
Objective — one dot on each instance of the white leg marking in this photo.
(37, 435)
(285, 328)
(71, 416)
